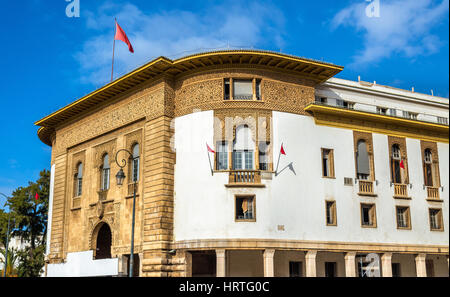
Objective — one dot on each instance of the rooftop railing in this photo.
(382, 110)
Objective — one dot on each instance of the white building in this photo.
(362, 187)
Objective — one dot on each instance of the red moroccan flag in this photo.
(120, 35)
(36, 196)
(402, 165)
(282, 150)
(210, 149)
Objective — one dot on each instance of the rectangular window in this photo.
(226, 89)
(436, 223)
(392, 112)
(248, 160)
(410, 115)
(258, 89)
(442, 120)
(368, 215)
(135, 170)
(330, 269)
(245, 208)
(382, 110)
(322, 100)
(331, 213)
(395, 269)
(79, 186)
(105, 179)
(327, 163)
(403, 217)
(263, 155)
(222, 155)
(344, 104)
(242, 89)
(295, 269)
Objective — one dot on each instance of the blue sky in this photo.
(50, 60)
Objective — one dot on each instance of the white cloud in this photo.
(404, 27)
(173, 34)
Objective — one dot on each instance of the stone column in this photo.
(350, 264)
(220, 263)
(386, 265)
(421, 267)
(268, 263)
(311, 269)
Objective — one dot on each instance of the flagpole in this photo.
(114, 45)
(278, 163)
(209, 159)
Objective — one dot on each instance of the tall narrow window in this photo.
(436, 222)
(331, 213)
(263, 155)
(105, 173)
(222, 155)
(243, 149)
(368, 215)
(242, 89)
(428, 172)
(403, 217)
(258, 89)
(227, 89)
(327, 163)
(135, 164)
(362, 161)
(396, 174)
(79, 180)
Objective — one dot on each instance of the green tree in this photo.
(31, 262)
(30, 220)
(30, 213)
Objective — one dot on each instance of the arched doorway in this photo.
(104, 240)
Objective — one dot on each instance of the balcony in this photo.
(244, 178)
(131, 189)
(433, 193)
(401, 191)
(366, 188)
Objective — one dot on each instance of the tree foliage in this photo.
(29, 222)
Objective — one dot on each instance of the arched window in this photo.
(105, 173)
(362, 161)
(79, 180)
(135, 164)
(428, 171)
(243, 149)
(396, 174)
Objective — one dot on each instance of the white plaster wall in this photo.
(82, 264)
(204, 207)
